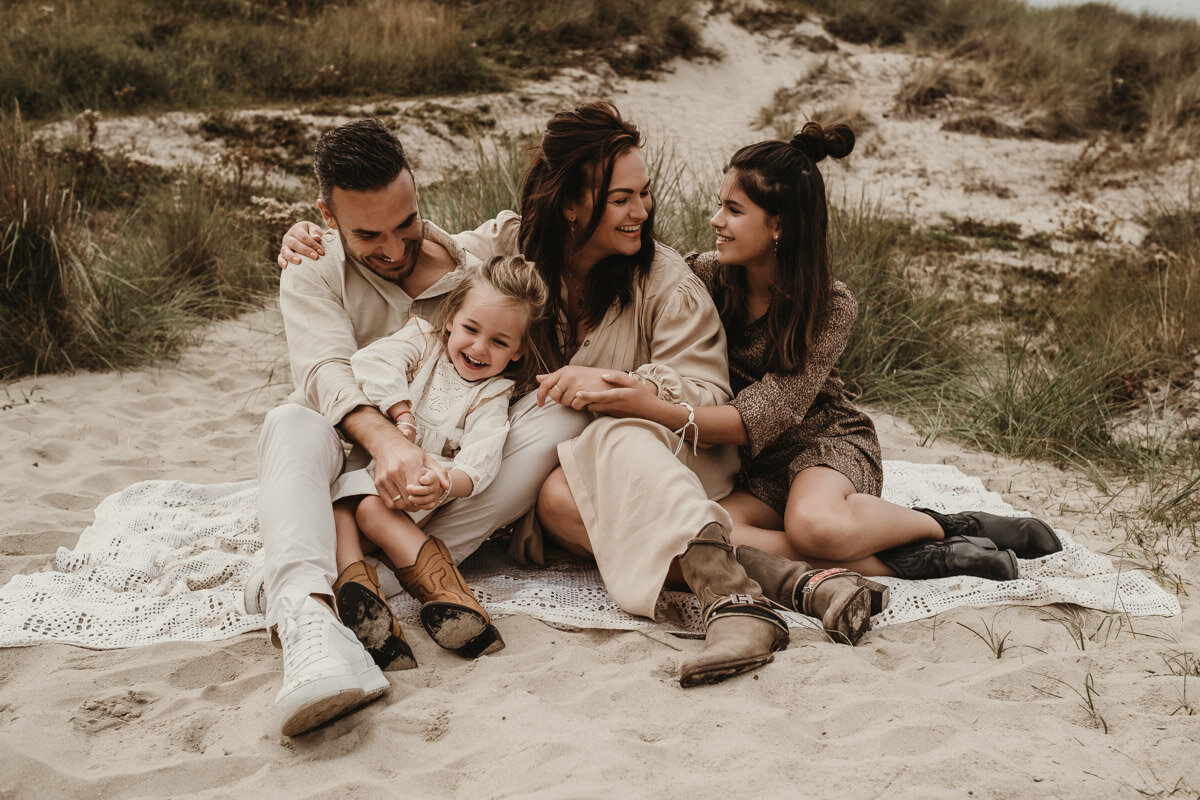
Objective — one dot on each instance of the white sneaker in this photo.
(254, 596)
(326, 672)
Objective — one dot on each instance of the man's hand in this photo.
(398, 462)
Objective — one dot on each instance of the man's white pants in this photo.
(300, 454)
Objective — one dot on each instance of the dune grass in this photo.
(144, 55)
(104, 268)
(1072, 70)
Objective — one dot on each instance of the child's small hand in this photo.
(433, 482)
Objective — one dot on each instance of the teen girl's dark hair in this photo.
(360, 156)
(514, 279)
(575, 156)
(782, 179)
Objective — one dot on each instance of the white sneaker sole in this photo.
(324, 699)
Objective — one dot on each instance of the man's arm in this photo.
(321, 341)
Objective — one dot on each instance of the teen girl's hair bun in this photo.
(817, 142)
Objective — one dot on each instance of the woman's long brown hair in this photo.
(576, 155)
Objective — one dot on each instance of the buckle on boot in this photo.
(745, 605)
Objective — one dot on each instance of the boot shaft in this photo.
(711, 570)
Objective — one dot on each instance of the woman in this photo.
(622, 302)
(810, 479)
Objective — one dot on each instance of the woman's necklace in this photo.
(576, 286)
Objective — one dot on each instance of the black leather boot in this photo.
(1028, 537)
(956, 555)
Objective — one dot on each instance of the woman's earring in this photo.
(571, 225)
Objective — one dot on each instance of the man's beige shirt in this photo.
(334, 306)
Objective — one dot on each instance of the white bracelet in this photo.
(449, 487)
(407, 425)
(682, 432)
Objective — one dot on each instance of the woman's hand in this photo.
(302, 239)
(626, 396)
(564, 385)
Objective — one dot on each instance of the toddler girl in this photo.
(447, 387)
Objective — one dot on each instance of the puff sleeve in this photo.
(688, 359)
(382, 368)
(496, 237)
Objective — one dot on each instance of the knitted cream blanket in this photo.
(167, 561)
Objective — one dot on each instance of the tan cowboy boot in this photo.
(743, 631)
(843, 600)
(449, 612)
(364, 610)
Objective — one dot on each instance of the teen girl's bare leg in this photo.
(828, 524)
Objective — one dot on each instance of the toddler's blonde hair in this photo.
(517, 281)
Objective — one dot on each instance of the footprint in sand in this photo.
(207, 670)
(110, 712)
(194, 735)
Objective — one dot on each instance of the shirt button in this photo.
(586, 342)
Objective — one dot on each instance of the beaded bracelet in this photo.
(682, 432)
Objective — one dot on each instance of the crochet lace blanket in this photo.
(167, 561)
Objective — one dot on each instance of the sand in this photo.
(1080, 704)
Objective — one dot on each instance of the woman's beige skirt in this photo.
(641, 503)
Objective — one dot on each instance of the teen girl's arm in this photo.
(633, 397)
(770, 406)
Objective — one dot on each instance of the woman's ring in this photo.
(556, 386)
(397, 497)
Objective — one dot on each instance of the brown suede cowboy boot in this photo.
(843, 600)
(364, 610)
(449, 612)
(743, 631)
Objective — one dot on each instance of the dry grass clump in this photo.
(929, 83)
(129, 55)
(1072, 70)
(824, 82)
(106, 54)
(102, 268)
(981, 124)
(633, 36)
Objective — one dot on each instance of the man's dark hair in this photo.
(360, 156)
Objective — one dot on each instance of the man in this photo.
(382, 263)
